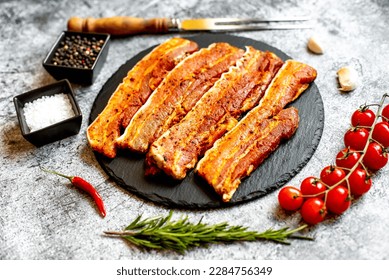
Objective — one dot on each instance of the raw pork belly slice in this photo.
(133, 92)
(178, 149)
(242, 150)
(177, 94)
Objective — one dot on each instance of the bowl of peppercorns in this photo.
(77, 56)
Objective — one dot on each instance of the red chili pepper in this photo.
(85, 186)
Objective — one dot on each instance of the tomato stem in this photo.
(361, 126)
(369, 105)
(373, 140)
(344, 168)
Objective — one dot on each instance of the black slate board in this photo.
(127, 169)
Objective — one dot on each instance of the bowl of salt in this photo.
(48, 114)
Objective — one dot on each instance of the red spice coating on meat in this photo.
(177, 94)
(237, 91)
(134, 91)
(259, 133)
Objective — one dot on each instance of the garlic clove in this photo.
(315, 46)
(348, 78)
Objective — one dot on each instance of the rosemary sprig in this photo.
(162, 233)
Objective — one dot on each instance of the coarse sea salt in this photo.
(47, 110)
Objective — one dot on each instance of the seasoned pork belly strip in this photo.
(133, 92)
(238, 90)
(241, 150)
(177, 94)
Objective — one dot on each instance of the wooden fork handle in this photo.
(119, 25)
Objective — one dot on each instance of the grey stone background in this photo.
(42, 217)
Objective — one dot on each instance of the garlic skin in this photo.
(348, 78)
(315, 46)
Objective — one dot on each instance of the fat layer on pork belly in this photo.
(240, 151)
(133, 92)
(237, 91)
(177, 94)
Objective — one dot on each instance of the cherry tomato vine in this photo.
(366, 151)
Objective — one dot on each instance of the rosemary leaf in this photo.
(161, 233)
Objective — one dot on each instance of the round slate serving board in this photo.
(127, 169)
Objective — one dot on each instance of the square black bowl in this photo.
(57, 131)
(75, 73)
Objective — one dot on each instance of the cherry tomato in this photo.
(331, 175)
(312, 186)
(338, 200)
(313, 211)
(290, 198)
(381, 133)
(385, 112)
(347, 158)
(375, 158)
(363, 117)
(356, 138)
(359, 182)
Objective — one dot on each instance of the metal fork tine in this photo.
(232, 27)
(226, 21)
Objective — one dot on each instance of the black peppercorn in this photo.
(77, 51)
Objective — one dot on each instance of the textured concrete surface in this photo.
(41, 217)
